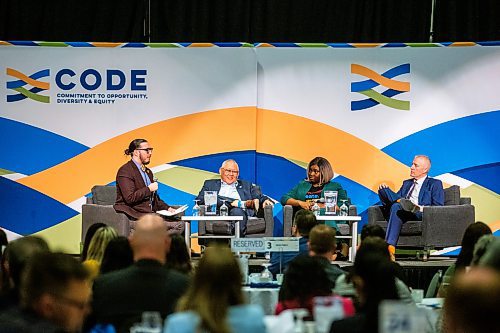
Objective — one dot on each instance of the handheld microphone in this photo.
(155, 193)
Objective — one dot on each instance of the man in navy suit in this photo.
(408, 203)
(243, 198)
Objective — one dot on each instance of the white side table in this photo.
(354, 230)
(187, 227)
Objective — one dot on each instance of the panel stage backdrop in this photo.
(68, 111)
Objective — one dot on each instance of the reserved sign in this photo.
(271, 244)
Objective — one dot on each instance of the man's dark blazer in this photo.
(431, 192)
(132, 194)
(245, 189)
(120, 297)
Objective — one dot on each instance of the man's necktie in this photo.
(408, 196)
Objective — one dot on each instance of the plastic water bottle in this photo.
(315, 209)
(196, 209)
(344, 210)
(224, 210)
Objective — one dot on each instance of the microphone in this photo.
(155, 193)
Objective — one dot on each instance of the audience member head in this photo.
(118, 255)
(319, 171)
(374, 277)
(303, 222)
(19, 252)
(372, 230)
(322, 241)
(469, 240)
(304, 279)
(178, 257)
(472, 302)
(491, 257)
(150, 239)
(229, 171)
(56, 287)
(374, 244)
(480, 248)
(99, 242)
(88, 237)
(216, 286)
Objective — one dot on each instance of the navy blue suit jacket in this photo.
(431, 193)
(245, 189)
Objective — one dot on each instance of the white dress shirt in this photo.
(229, 190)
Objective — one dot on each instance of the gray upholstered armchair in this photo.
(441, 226)
(256, 226)
(99, 208)
(344, 228)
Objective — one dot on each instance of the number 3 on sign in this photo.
(398, 317)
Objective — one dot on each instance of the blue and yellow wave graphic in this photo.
(32, 80)
(374, 79)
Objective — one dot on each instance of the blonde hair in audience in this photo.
(215, 287)
(99, 243)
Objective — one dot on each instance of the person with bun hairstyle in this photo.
(136, 188)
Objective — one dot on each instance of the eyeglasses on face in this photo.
(147, 150)
(231, 172)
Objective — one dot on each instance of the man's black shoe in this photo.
(409, 206)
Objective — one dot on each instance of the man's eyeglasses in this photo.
(148, 150)
(231, 172)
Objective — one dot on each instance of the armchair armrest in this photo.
(287, 220)
(92, 213)
(353, 210)
(465, 201)
(269, 218)
(444, 226)
(375, 214)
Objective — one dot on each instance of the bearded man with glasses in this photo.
(242, 197)
(136, 188)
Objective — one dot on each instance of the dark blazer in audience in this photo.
(120, 297)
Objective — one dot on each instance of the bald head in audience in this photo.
(472, 302)
(150, 239)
